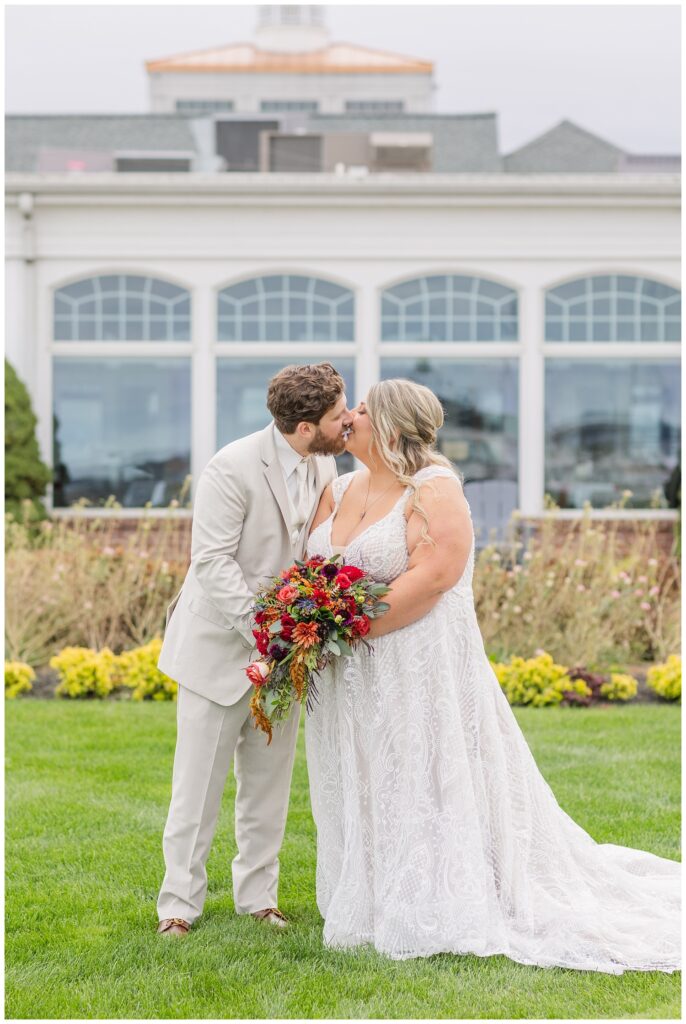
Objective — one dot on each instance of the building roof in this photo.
(336, 59)
(567, 148)
(462, 143)
(33, 142)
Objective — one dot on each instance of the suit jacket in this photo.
(241, 536)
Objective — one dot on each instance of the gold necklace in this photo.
(369, 484)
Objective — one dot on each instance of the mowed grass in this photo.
(87, 793)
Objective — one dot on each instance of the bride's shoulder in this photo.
(340, 484)
(435, 471)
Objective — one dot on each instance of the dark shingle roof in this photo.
(461, 142)
(566, 148)
(27, 135)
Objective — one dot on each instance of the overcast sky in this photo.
(614, 70)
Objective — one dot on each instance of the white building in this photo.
(291, 66)
(146, 312)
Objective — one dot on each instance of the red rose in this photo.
(343, 581)
(361, 626)
(262, 639)
(260, 617)
(352, 572)
(287, 594)
(288, 624)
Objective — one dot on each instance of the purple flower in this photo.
(277, 652)
(330, 571)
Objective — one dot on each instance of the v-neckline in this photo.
(350, 541)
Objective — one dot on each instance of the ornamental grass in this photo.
(587, 596)
(75, 583)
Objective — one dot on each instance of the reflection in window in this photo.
(613, 307)
(183, 106)
(270, 106)
(122, 307)
(449, 308)
(610, 427)
(374, 106)
(242, 397)
(286, 307)
(122, 427)
(480, 431)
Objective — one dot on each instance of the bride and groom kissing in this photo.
(436, 832)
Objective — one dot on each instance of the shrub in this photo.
(137, 670)
(594, 599)
(26, 475)
(84, 672)
(619, 687)
(665, 679)
(73, 582)
(19, 678)
(539, 681)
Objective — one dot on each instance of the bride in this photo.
(436, 832)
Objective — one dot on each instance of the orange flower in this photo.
(305, 634)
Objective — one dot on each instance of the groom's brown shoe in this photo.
(173, 926)
(272, 916)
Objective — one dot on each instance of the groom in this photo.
(255, 500)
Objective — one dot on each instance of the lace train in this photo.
(436, 831)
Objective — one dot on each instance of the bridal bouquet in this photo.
(312, 612)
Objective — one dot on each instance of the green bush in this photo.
(84, 672)
(26, 475)
(665, 679)
(138, 671)
(19, 678)
(620, 686)
(539, 681)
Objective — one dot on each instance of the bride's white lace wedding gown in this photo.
(436, 831)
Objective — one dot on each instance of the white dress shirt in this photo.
(289, 460)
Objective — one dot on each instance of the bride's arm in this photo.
(325, 507)
(432, 570)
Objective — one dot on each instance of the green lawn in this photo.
(87, 793)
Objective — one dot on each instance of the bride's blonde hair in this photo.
(405, 418)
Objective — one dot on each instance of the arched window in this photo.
(613, 307)
(122, 307)
(449, 307)
(285, 307)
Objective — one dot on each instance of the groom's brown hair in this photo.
(299, 393)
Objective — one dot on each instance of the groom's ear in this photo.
(305, 430)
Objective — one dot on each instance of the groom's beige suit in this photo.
(245, 530)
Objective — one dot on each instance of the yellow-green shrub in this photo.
(665, 679)
(620, 686)
(19, 678)
(84, 672)
(539, 681)
(137, 670)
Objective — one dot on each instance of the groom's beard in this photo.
(322, 445)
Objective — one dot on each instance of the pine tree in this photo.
(26, 475)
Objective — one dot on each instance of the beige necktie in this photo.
(302, 494)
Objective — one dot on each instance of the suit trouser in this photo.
(208, 736)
